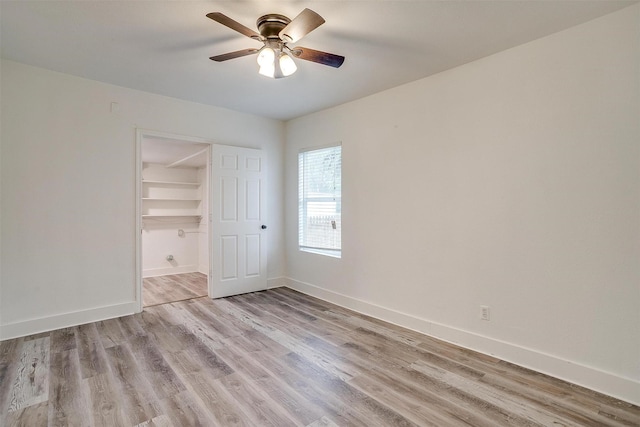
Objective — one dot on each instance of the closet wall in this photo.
(174, 209)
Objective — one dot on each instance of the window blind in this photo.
(320, 199)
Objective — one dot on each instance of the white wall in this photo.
(160, 239)
(68, 191)
(512, 182)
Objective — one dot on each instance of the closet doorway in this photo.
(174, 204)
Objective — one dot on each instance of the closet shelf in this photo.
(146, 181)
(172, 197)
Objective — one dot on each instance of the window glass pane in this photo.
(319, 199)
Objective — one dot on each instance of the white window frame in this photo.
(303, 203)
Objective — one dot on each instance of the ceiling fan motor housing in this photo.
(271, 25)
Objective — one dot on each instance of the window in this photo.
(319, 200)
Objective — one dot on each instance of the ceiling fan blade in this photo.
(233, 55)
(234, 25)
(300, 26)
(318, 56)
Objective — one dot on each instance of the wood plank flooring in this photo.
(275, 358)
(172, 288)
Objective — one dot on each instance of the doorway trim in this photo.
(141, 133)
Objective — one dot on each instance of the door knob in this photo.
(264, 227)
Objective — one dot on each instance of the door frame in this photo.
(140, 135)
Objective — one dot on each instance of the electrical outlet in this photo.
(484, 312)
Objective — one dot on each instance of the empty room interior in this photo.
(320, 213)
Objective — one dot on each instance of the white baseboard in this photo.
(604, 382)
(65, 320)
(155, 272)
(276, 282)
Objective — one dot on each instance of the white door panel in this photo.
(239, 251)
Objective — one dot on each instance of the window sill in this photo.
(326, 252)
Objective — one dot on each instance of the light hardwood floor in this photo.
(172, 288)
(275, 358)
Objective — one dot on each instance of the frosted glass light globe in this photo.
(266, 56)
(287, 66)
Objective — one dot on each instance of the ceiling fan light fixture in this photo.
(266, 57)
(287, 65)
(268, 70)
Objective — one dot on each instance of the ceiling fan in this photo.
(275, 31)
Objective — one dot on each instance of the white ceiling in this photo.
(164, 46)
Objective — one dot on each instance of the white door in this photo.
(238, 226)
